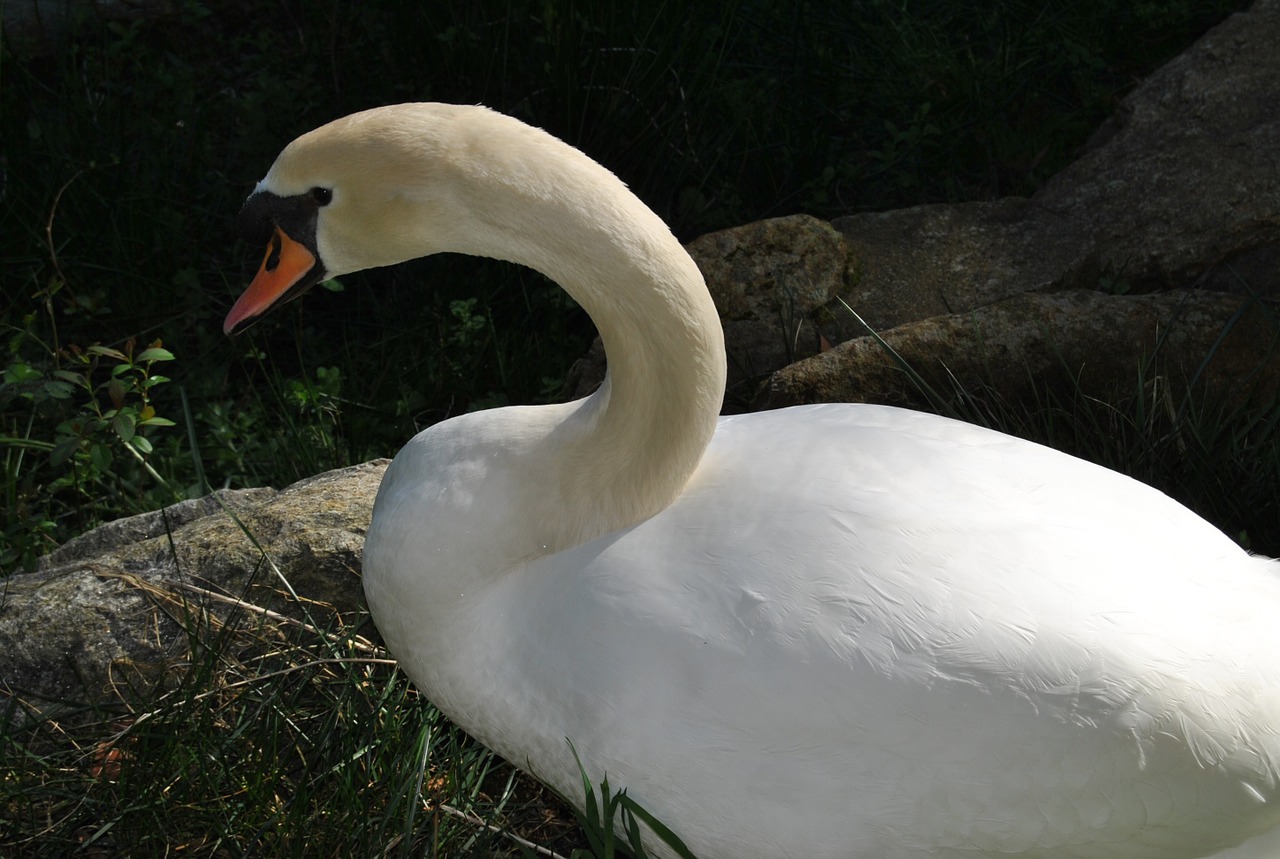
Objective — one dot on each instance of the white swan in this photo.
(831, 631)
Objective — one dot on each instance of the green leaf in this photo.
(64, 450)
(632, 830)
(610, 807)
(155, 353)
(141, 443)
(108, 352)
(667, 837)
(57, 390)
(156, 422)
(20, 373)
(100, 456)
(125, 425)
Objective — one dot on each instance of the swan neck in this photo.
(512, 192)
(634, 444)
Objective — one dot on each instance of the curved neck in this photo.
(628, 450)
(476, 182)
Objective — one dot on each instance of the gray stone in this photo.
(1081, 341)
(1180, 188)
(144, 526)
(771, 281)
(91, 625)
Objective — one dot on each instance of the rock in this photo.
(1180, 187)
(1037, 343)
(144, 526)
(105, 615)
(1180, 190)
(769, 281)
(930, 261)
(1185, 177)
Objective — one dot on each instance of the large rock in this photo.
(1031, 345)
(1178, 189)
(108, 613)
(771, 281)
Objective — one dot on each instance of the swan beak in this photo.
(283, 276)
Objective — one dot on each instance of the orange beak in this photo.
(286, 263)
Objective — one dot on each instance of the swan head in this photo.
(395, 183)
(371, 189)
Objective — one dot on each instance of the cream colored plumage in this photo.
(832, 631)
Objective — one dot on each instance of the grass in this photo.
(280, 733)
(273, 741)
(126, 156)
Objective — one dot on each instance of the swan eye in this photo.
(323, 196)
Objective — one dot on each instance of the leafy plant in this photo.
(95, 404)
(119, 424)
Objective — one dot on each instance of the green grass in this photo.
(297, 742)
(280, 734)
(126, 156)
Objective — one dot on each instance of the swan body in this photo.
(829, 631)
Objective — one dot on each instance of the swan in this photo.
(827, 631)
